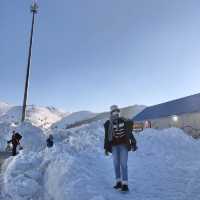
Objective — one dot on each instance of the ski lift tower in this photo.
(34, 9)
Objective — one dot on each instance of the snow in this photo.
(166, 166)
(33, 137)
(72, 118)
(4, 107)
(5, 134)
(43, 117)
(21, 178)
(84, 117)
(46, 117)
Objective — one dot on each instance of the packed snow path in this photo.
(3, 156)
(147, 181)
(165, 167)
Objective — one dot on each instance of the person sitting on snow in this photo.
(16, 137)
(119, 140)
(50, 141)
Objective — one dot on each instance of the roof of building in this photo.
(180, 106)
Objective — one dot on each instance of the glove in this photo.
(20, 148)
(134, 148)
(106, 153)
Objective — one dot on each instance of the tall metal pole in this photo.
(34, 9)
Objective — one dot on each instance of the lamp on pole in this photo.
(34, 9)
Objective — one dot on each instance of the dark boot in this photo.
(118, 185)
(125, 188)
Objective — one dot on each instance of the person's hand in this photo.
(134, 147)
(20, 148)
(106, 153)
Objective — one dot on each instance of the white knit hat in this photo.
(114, 108)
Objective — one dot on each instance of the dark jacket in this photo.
(130, 141)
(49, 142)
(15, 139)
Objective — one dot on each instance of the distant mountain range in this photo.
(85, 117)
(46, 117)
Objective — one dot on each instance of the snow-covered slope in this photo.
(131, 111)
(45, 117)
(39, 116)
(33, 137)
(73, 118)
(4, 107)
(127, 112)
(166, 166)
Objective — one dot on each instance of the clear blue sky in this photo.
(90, 54)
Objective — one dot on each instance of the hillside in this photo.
(127, 112)
(39, 116)
(73, 118)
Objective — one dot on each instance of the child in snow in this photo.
(16, 137)
(50, 141)
(118, 141)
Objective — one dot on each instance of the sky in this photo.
(88, 55)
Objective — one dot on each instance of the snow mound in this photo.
(33, 138)
(13, 115)
(166, 166)
(21, 180)
(85, 138)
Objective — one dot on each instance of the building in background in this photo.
(182, 113)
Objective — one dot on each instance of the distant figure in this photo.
(50, 141)
(16, 137)
(119, 140)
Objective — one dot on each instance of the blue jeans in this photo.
(120, 159)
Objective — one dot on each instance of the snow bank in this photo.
(22, 175)
(168, 142)
(87, 137)
(164, 167)
(33, 138)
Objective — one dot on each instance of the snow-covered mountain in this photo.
(127, 112)
(40, 116)
(73, 118)
(50, 116)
